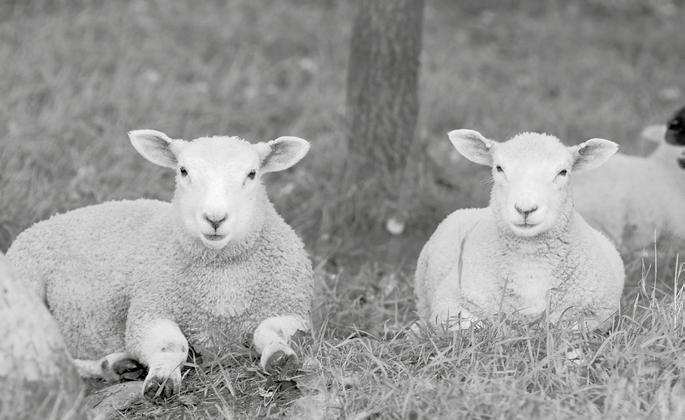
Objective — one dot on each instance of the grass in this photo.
(78, 75)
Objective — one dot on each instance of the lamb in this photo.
(634, 200)
(37, 377)
(142, 280)
(529, 252)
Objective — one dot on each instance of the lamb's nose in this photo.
(216, 221)
(525, 211)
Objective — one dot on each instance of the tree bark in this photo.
(382, 84)
(37, 376)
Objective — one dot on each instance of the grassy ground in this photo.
(76, 76)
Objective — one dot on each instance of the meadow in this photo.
(77, 75)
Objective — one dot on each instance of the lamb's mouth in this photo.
(213, 238)
(525, 226)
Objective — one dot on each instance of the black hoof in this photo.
(157, 389)
(281, 362)
(129, 370)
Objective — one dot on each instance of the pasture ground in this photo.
(77, 75)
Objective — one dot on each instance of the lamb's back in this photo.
(81, 263)
(628, 198)
(86, 243)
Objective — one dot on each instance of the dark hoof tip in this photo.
(157, 389)
(281, 362)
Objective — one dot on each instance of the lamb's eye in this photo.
(183, 171)
(252, 174)
(499, 169)
(563, 172)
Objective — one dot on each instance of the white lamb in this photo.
(528, 252)
(633, 198)
(142, 279)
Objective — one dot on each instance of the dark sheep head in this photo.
(675, 128)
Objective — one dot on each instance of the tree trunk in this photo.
(382, 84)
(37, 377)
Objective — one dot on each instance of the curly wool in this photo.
(216, 297)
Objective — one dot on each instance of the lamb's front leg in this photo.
(159, 344)
(271, 339)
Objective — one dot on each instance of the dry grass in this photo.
(78, 75)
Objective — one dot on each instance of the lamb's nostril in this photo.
(216, 221)
(525, 211)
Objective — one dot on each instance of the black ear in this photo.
(154, 146)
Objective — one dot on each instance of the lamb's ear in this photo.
(473, 146)
(592, 153)
(281, 153)
(154, 146)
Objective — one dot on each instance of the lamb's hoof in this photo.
(157, 388)
(128, 370)
(280, 361)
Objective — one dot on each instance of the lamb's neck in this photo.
(553, 244)
(543, 246)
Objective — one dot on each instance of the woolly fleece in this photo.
(102, 266)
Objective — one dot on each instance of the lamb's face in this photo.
(531, 192)
(218, 187)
